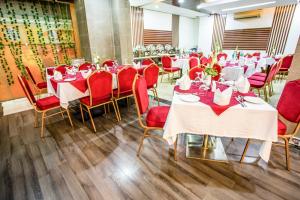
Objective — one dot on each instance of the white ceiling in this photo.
(210, 6)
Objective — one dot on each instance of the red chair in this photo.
(39, 86)
(286, 64)
(86, 66)
(108, 63)
(151, 74)
(125, 78)
(218, 68)
(155, 116)
(167, 67)
(220, 55)
(42, 105)
(194, 71)
(288, 108)
(99, 96)
(194, 55)
(62, 69)
(256, 54)
(147, 61)
(193, 62)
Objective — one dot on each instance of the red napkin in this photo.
(209, 97)
(80, 83)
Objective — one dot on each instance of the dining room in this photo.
(150, 99)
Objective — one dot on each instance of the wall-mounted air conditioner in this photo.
(248, 14)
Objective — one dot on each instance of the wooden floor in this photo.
(75, 163)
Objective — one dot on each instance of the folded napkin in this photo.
(184, 82)
(223, 98)
(71, 70)
(137, 65)
(57, 75)
(85, 74)
(243, 85)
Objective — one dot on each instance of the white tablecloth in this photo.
(66, 92)
(255, 121)
(232, 73)
(182, 63)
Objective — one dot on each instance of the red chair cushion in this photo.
(141, 94)
(284, 69)
(166, 62)
(147, 61)
(151, 75)
(42, 85)
(96, 101)
(125, 79)
(172, 69)
(257, 78)
(193, 62)
(256, 84)
(47, 103)
(281, 128)
(260, 74)
(157, 116)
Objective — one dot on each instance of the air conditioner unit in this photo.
(247, 14)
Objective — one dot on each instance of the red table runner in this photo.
(208, 98)
(80, 83)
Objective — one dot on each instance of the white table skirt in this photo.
(254, 122)
(66, 92)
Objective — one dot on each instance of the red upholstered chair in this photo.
(62, 69)
(86, 66)
(193, 72)
(147, 61)
(39, 86)
(167, 67)
(193, 62)
(155, 117)
(108, 63)
(218, 68)
(99, 96)
(42, 105)
(151, 73)
(220, 55)
(286, 64)
(256, 54)
(125, 78)
(288, 108)
(194, 55)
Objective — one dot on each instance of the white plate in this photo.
(255, 100)
(70, 79)
(189, 98)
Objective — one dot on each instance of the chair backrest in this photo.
(203, 60)
(193, 72)
(125, 79)
(218, 68)
(151, 74)
(166, 61)
(194, 55)
(100, 85)
(26, 89)
(256, 54)
(62, 69)
(272, 72)
(147, 61)
(108, 63)
(85, 66)
(140, 93)
(289, 105)
(30, 75)
(193, 62)
(287, 61)
(220, 55)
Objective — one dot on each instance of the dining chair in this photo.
(155, 117)
(288, 108)
(39, 86)
(108, 63)
(125, 78)
(167, 67)
(256, 54)
(193, 73)
(220, 55)
(62, 69)
(99, 96)
(42, 105)
(286, 64)
(147, 61)
(85, 66)
(193, 62)
(193, 54)
(151, 73)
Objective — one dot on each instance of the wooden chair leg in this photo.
(258, 91)
(62, 113)
(161, 77)
(43, 124)
(82, 117)
(91, 118)
(266, 94)
(127, 102)
(287, 153)
(116, 112)
(104, 109)
(35, 118)
(175, 148)
(245, 150)
(141, 143)
(69, 116)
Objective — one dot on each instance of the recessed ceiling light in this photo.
(156, 6)
(248, 6)
(180, 1)
(199, 6)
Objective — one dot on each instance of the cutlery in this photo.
(242, 100)
(238, 100)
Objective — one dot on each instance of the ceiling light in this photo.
(248, 6)
(180, 1)
(156, 6)
(199, 6)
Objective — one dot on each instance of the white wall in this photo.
(157, 20)
(206, 25)
(188, 33)
(265, 20)
(294, 33)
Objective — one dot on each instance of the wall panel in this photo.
(157, 37)
(137, 25)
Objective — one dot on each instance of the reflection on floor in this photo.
(75, 163)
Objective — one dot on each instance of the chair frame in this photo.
(170, 72)
(148, 128)
(87, 108)
(38, 90)
(44, 112)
